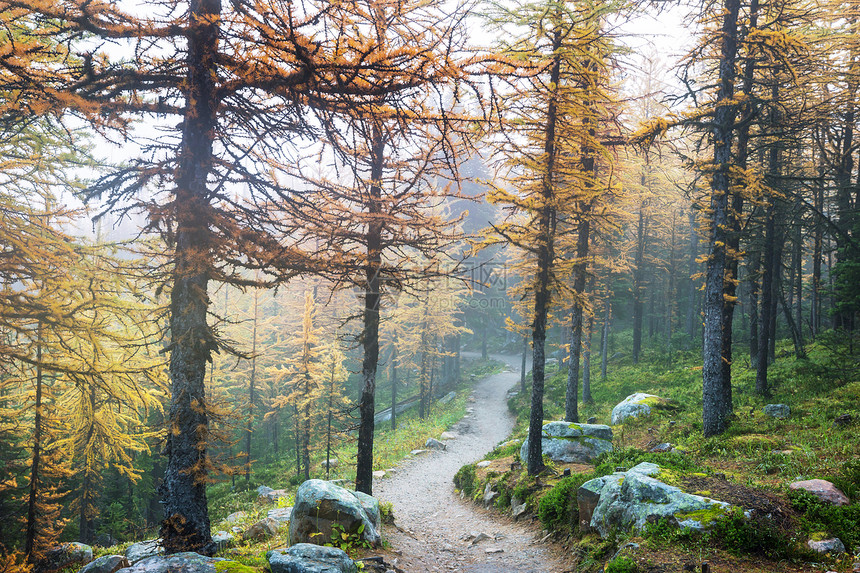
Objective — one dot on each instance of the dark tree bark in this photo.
(523, 364)
(394, 383)
(670, 294)
(586, 362)
(186, 523)
(714, 408)
(753, 278)
(604, 340)
(545, 249)
(571, 410)
(692, 296)
(639, 280)
(370, 332)
(767, 290)
(32, 530)
(252, 397)
(734, 217)
(817, 253)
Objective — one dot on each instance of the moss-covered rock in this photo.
(640, 404)
(636, 497)
(570, 442)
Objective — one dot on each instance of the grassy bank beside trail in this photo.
(752, 463)
(390, 446)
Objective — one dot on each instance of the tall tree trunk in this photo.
(252, 398)
(370, 332)
(523, 364)
(32, 531)
(638, 280)
(692, 268)
(306, 430)
(329, 416)
(715, 409)
(586, 362)
(87, 508)
(604, 339)
(571, 410)
(394, 383)
(670, 295)
(186, 524)
(485, 328)
(545, 257)
(769, 268)
(753, 277)
(843, 318)
(734, 217)
(817, 253)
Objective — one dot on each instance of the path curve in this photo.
(432, 520)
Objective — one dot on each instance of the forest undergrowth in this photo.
(750, 465)
(231, 494)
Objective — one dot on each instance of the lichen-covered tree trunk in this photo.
(714, 407)
(186, 523)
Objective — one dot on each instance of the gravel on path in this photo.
(433, 522)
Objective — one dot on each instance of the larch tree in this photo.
(548, 154)
(236, 77)
(380, 225)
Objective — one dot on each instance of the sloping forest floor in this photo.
(750, 466)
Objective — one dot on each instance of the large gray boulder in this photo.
(635, 497)
(636, 405)
(105, 564)
(187, 562)
(570, 442)
(143, 549)
(319, 504)
(309, 558)
(64, 555)
(834, 546)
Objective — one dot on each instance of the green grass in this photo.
(756, 451)
(389, 447)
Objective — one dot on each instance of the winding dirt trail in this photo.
(432, 521)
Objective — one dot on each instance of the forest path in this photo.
(432, 520)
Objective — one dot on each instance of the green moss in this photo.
(575, 426)
(669, 477)
(754, 442)
(818, 535)
(233, 567)
(703, 516)
(703, 493)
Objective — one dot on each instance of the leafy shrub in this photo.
(666, 533)
(839, 521)
(386, 511)
(503, 451)
(629, 457)
(557, 509)
(848, 479)
(622, 564)
(464, 479)
(738, 535)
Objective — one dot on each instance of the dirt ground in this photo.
(432, 524)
